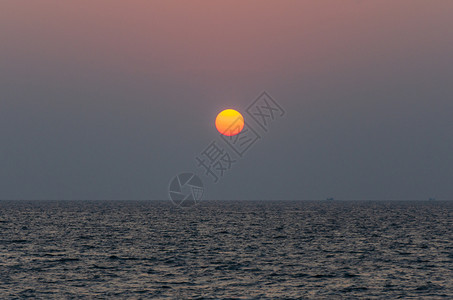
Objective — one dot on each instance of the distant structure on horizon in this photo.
(330, 199)
(432, 199)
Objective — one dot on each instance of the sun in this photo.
(229, 122)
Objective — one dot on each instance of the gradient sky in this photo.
(111, 99)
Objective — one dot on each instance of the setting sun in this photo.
(229, 122)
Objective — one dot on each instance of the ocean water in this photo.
(226, 250)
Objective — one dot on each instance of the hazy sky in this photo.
(111, 99)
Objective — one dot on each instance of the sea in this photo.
(226, 250)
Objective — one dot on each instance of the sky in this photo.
(112, 99)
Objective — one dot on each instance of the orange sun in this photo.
(229, 122)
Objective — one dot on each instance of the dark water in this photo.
(250, 250)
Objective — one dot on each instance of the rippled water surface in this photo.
(249, 250)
